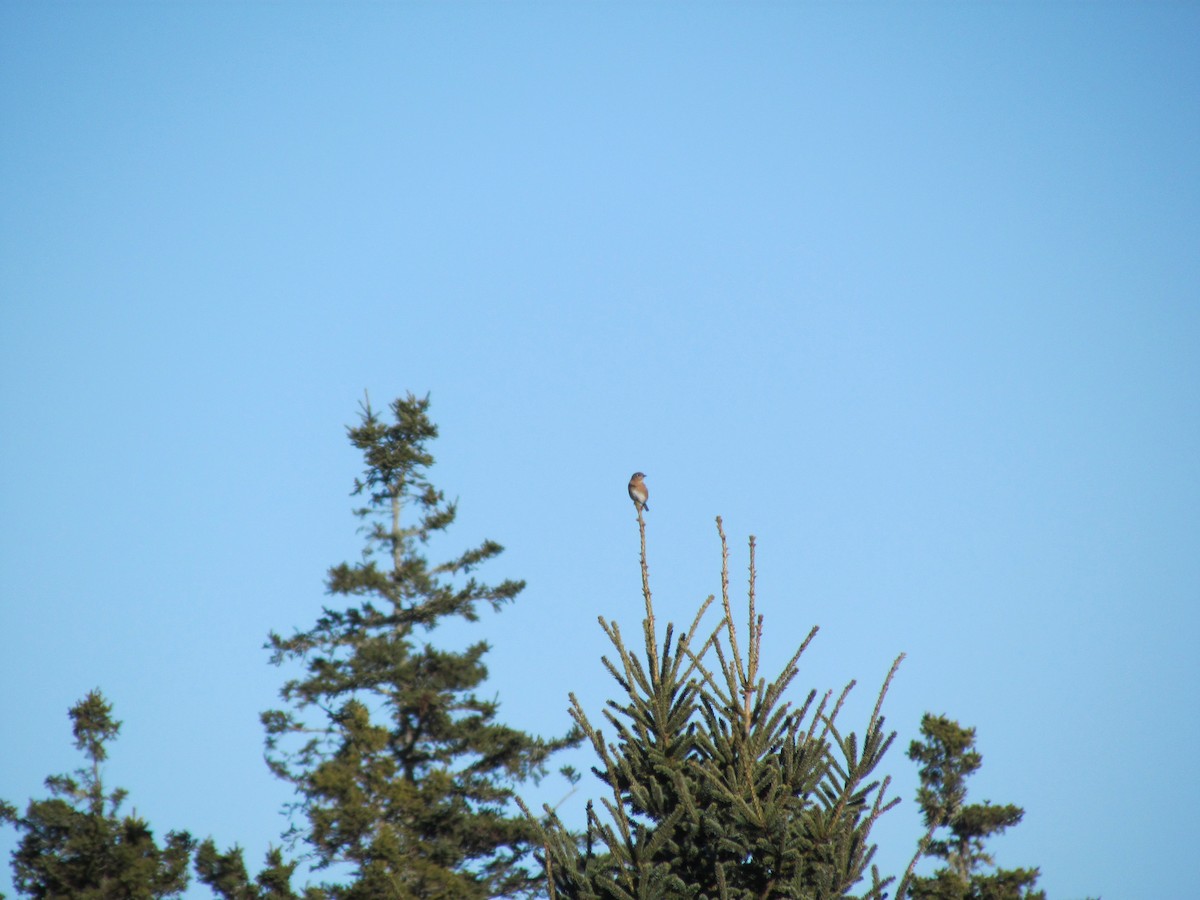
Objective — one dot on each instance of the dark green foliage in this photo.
(403, 773)
(720, 787)
(226, 874)
(76, 846)
(948, 757)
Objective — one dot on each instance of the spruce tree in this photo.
(720, 785)
(225, 873)
(948, 758)
(404, 774)
(77, 845)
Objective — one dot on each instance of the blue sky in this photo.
(910, 293)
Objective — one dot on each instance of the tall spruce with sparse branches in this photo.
(404, 774)
(948, 758)
(720, 785)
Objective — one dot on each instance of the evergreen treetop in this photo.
(721, 787)
(948, 758)
(403, 772)
(77, 845)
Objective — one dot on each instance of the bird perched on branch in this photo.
(638, 492)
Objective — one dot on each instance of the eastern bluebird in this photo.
(638, 492)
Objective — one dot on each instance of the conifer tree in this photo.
(225, 873)
(76, 845)
(404, 774)
(721, 787)
(948, 758)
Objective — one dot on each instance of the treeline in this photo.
(719, 781)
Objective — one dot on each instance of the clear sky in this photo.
(909, 291)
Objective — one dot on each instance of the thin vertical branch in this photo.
(837, 707)
(730, 627)
(883, 690)
(755, 627)
(651, 636)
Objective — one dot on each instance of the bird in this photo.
(638, 492)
